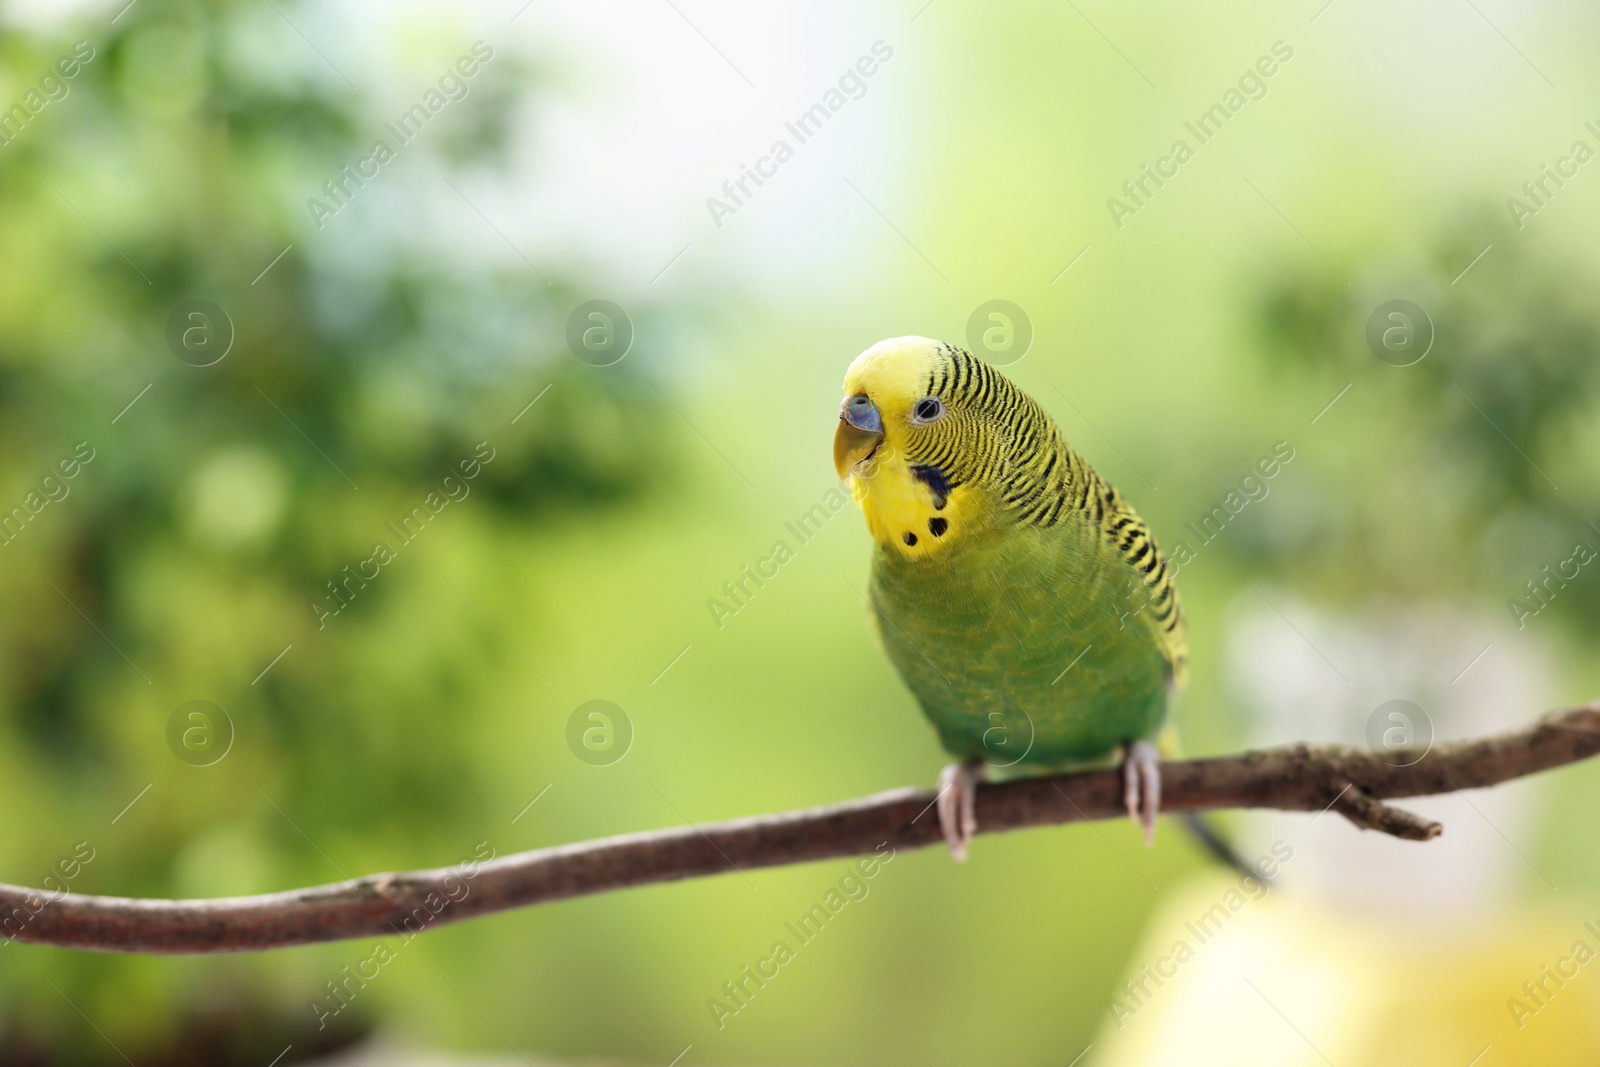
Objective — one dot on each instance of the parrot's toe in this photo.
(1141, 788)
(957, 804)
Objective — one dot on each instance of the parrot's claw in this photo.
(957, 803)
(1141, 778)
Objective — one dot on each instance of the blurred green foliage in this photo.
(383, 348)
(1485, 475)
(221, 501)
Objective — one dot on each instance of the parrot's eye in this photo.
(927, 410)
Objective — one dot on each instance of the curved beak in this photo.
(859, 435)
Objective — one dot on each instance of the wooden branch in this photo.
(1352, 781)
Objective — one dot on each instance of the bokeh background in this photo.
(366, 352)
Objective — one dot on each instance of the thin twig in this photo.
(1352, 781)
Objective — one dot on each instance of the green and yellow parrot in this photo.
(1021, 598)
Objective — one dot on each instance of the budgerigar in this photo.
(1020, 597)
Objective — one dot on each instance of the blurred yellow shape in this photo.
(1292, 979)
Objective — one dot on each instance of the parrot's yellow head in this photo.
(924, 440)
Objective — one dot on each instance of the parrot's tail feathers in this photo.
(1218, 847)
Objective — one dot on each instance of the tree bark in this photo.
(1351, 781)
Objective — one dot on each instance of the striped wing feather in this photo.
(1044, 482)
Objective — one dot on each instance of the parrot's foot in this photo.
(1141, 777)
(957, 803)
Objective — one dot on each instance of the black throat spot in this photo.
(934, 479)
